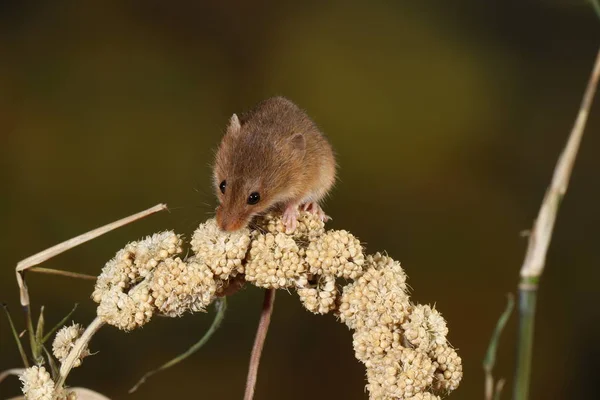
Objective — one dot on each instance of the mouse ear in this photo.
(298, 142)
(234, 124)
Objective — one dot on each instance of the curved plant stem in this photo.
(539, 239)
(85, 338)
(259, 341)
(490, 356)
(221, 306)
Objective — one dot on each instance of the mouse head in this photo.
(254, 171)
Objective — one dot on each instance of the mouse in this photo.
(272, 157)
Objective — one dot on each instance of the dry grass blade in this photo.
(9, 372)
(81, 343)
(540, 236)
(68, 274)
(69, 244)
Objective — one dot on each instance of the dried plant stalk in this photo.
(540, 235)
(69, 244)
(259, 342)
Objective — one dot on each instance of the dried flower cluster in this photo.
(403, 345)
(65, 340)
(38, 385)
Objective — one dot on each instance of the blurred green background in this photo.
(447, 118)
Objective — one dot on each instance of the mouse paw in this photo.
(290, 218)
(315, 208)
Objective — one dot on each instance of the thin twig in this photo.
(68, 274)
(259, 341)
(75, 352)
(69, 244)
(539, 239)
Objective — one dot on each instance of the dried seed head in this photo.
(402, 373)
(448, 372)
(319, 298)
(425, 328)
(424, 396)
(135, 262)
(179, 286)
(309, 228)
(65, 340)
(127, 311)
(221, 251)
(372, 344)
(275, 261)
(37, 384)
(377, 297)
(336, 253)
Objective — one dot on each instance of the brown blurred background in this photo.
(447, 118)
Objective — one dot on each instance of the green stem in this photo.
(527, 302)
(36, 352)
(16, 335)
(59, 325)
(596, 7)
(221, 306)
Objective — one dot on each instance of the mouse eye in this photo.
(222, 186)
(253, 198)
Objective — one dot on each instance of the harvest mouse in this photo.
(272, 156)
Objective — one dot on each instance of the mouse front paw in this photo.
(290, 218)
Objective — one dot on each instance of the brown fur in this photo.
(278, 152)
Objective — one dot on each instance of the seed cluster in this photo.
(37, 383)
(65, 340)
(403, 345)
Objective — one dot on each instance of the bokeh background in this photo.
(447, 118)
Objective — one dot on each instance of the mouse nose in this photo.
(230, 225)
(227, 223)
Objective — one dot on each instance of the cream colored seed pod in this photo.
(372, 344)
(116, 273)
(154, 249)
(402, 373)
(448, 368)
(127, 311)
(424, 396)
(319, 299)
(377, 297)
(309, 226)
(275, 261)
(425, 328)
(179, 286)
(65, 340)
(223, 252)
(336, 253)
(135, 262)
(37, 384)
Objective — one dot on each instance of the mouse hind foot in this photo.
(314, 208)
(291, 212)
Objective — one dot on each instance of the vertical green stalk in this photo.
(527, 302)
